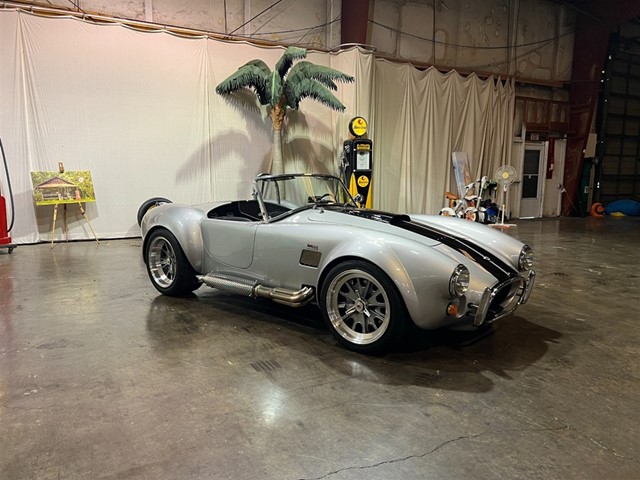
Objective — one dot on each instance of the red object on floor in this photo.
(5, 239)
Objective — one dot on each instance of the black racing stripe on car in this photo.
(490, 262)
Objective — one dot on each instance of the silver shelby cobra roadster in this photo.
(302, 239)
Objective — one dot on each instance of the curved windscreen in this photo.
(296, 191)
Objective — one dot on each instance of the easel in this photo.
(65, 226)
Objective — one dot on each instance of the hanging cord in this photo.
(6, 170)
(254, 17)
(573, 207)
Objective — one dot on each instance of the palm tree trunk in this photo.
(277, 163)
(277, 119)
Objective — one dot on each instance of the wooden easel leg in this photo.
(53, 228)
(88, 222)
(65, 226)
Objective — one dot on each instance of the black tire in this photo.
(369, 328)
(167, 266)
(149, 204)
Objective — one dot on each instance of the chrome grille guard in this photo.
(525, 285)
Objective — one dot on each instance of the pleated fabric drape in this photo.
(139, 110)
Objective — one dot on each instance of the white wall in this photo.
(304, 23)
(470, 35)
(461, 34)
(139, 110)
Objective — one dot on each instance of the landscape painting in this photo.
(52, 188)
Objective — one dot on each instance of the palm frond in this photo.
(311, 88)
(288, 57)
(250, 75)
(275, 88)
(325, 75)
(261, 65)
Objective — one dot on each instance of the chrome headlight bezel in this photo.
(525, 259)
(459, 281)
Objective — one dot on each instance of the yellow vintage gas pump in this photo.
(357, 157)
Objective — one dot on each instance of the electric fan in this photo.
(505, 176)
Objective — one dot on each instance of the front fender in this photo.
(421, 274)
(183, 221)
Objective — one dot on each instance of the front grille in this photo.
(504, 300)
(499, 301)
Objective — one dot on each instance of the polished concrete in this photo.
(102, 378)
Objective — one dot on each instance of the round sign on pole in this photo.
(358, 127)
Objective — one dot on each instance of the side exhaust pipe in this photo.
(291, 298)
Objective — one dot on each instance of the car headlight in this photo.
(459, 281)
(525, 260)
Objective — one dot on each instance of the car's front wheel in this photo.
(167, 266)
(362, 307)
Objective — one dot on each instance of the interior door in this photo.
(532, 181)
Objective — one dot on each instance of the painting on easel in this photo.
(54, 188)
(61, 188)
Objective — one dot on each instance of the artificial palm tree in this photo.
(284, 88)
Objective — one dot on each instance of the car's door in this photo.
(229, 242)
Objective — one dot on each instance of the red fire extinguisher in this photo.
(5, 239)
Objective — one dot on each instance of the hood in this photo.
(418, 228)
(373, 221)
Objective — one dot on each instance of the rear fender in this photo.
(183, 221)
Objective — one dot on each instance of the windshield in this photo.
(295, 191)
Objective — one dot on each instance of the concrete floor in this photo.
(101, 378)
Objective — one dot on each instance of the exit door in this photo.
(532, 181)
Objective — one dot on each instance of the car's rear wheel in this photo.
(148, 205)
(167, 265)
(362, 307)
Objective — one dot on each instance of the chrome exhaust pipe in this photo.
(291, 298)
(239, 286)
(248, 288)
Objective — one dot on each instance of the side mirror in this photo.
(359, 198)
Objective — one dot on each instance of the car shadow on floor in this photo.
(444, 359)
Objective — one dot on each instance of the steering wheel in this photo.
(318, 200)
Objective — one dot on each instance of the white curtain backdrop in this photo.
(139, 110)
(421, 118)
